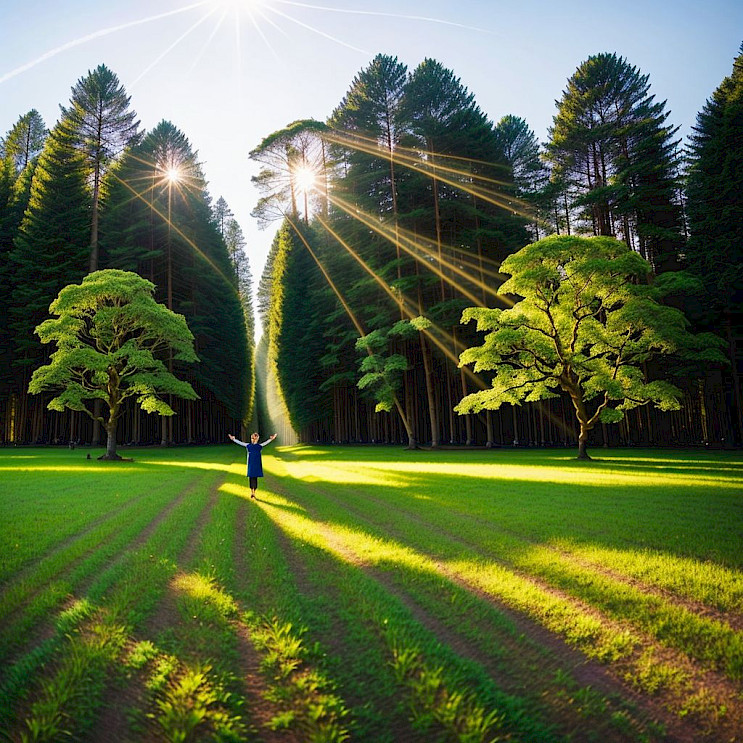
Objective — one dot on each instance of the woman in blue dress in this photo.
(255, 465)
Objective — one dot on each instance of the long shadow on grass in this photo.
(496, 661)
(364, 621)
(338, 515)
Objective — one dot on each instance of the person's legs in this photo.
(253, 486)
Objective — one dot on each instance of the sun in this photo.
(173, 174)
(250, 7)
(304, 178)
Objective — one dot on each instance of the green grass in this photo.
(372, 594)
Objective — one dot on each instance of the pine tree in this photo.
(159, 222)
(715, 209)
(612, 150)
(50, 250)
(101, 125)
(24, 142)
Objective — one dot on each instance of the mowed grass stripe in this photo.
(591, 631)
(65, 693)
(62, 572)
(703, 638)
(444, 690)
(380, 551)
(518, 666)
(590, 500)
(520, 663)
(660, 616)
(34, 526)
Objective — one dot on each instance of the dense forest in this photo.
(397, 211)
(96, 192)
(393, 216)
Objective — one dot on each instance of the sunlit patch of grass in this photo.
(204, 589)
(699, 637)
(592, 633)
(192, 704)
(440, 691)
(713, 585)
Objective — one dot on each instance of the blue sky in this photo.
(230, 72)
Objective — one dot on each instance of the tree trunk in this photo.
(429, 391)
(489, 429)
(111, 454)
(582, 443)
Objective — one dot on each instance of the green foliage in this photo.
(613, 154)
(25, 141)
(50, 248)
(586, 322)
(715, 195)
(111, 335)
(382, 371)
(168, 232)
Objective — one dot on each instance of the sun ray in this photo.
(317, 31)
(411, 244)
(509, 202)
(263, 36)
(170, 48)
(178, 231)
(399, 16)
(96, 35)
(404, 155)
(207, 43)
(406, 305)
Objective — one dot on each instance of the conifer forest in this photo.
(392, 219)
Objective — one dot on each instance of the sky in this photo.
(228, 73)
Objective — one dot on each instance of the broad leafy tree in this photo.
(586, 323)
(111, 338)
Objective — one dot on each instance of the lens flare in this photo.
(305, 179)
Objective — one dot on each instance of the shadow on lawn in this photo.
(471, 642)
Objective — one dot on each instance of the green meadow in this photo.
(371, 594)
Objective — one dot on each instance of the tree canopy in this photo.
(112, 337)
(585, 321)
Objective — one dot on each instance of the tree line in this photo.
(96, 192)
(397, 211)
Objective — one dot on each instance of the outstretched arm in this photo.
(269, 439)
(236, 441)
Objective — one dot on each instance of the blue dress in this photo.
(255, 464)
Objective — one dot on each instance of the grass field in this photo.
(371, 594)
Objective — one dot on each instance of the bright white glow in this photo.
(250, 7)
(173, 174)
(304, 178)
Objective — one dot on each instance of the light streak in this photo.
(419, 253)
(95, 35)
(398, 16)
(178, 231)
(317, 31)
(170, 48)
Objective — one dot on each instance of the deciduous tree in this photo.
(111, 339)
(586, 323)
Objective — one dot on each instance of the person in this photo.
(255, 464)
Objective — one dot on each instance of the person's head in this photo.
(254, 437)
